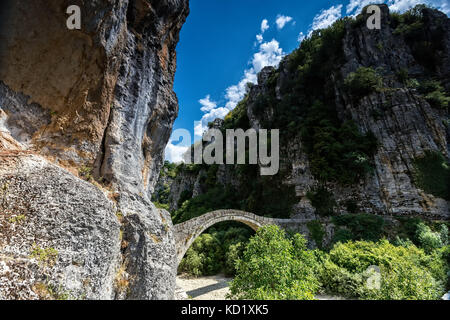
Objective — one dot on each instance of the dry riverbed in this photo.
(212, 288)
(203, 288)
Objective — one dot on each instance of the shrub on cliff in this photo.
(322, 200)
(367, 227)
(274, 267)
(363, 82)
(432, 174)
(434, 93)
(425, 43)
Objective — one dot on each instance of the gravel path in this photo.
(213, 288)
(204, 288)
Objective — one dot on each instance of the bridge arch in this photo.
(187, 232)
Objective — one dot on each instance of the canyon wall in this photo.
(93, 104)
(404, 122)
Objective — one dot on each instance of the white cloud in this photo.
(355, 6)
(174, 153)
(207, 104)
(264, 26)
(259, 38)
(301, 37)
(403, 5)
(326, 18)
(212, 115)
(269, 54)
(282, 21)
(236, 93)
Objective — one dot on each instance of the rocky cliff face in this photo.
(404, 122)
(98, 104)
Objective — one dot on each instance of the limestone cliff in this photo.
(317, 120)
(96, 103)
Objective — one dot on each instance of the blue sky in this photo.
(224, 43)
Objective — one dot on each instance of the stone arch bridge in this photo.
(187, 232)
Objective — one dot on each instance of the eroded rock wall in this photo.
(96, 103)
(405, 124)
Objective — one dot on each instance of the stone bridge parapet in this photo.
(187, 232)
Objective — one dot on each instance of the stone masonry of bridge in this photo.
(187, 232)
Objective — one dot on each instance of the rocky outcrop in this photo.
(406, 126)
(60, 236)
(96, 103)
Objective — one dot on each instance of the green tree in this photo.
(274, 267)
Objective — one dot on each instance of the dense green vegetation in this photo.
(363, 82)
(216, 250)
(238, 118)
(355, 227)
(265, 196)
(424, 43)
(317, 232)
(432, 174)
(434, 93)
(407, 272)
(337, 150)
(275, 266)
(322, 200)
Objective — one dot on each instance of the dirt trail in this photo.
(204, 288)
(213, 288)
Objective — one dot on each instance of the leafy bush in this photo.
(428, 86)
(322, 200)
(438, 99)
(217, 250)
(215, 198)
(343, 235)
(234, 253)
(408, 228)
(434, 93)
(238, 117)
(317, 232)
(184, 196)
(425, 43)
(337, 152)
(192, 263)
(169, 169)
(403, 76)
(366, 227)
(164, 206)
(363, 82)
(430, 240)
(406, 272)
(203, 257)
(432, 174)
(274, 267)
